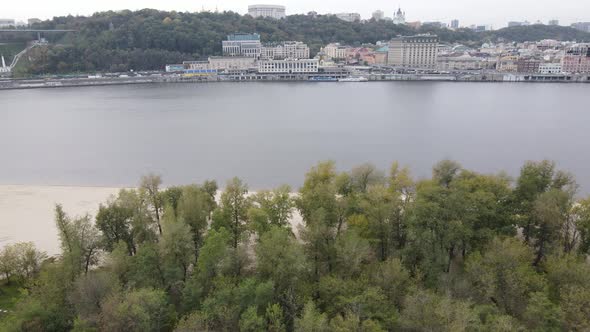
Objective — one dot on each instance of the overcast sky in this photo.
(490, 12)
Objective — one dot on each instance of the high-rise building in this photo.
(455, 24)
(420, 51)
(553, 22)
(272, 11)
(349, 17)
(285, 50)
(378, 15)
(399, 17)
(242, 44)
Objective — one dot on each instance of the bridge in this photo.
(38, 31)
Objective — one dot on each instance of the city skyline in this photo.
(487, 13)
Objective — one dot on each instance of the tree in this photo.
(503, 276)
(233, 211)
(542, 315)
(177, 247)
(88, 294)
(272, 208)
(445, 171)
(80, 241)
(426, 311)
(311, 320)
(150, 185)
(115, 223)
(138, 310)
(549, 215)
(9, 262)
(194, 208)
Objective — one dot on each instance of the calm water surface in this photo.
(272, 133)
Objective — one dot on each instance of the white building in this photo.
(285, 50)
(231, 63)
(7, 22)
(420, 51)
(399, 17)
(288, 66)
(349, 17)
(242, 44)
(378, 15)
(464, 62)
(335, 51)
(550, 68)
(272, 11)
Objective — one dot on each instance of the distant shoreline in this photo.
(69, 83)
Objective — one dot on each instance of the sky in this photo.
(495, 13)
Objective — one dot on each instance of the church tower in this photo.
(399, 17)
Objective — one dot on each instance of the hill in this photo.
(147, 39)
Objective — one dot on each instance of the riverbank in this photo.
(27, 212)
(16, 84)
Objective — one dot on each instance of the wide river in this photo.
(272, 133)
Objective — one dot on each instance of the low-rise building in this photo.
(272, 11)
(335, 51)
(463, 62)
(420, 51)
(576, 59)
(175, 68)
(550, 68)
(285, 50)
(289, 66)
(242, 44)
(349, 17)
(230, 63)
(527, 65)
(7, 22)
(507, 64)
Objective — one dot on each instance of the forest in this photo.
(148, 39)
(374, 251)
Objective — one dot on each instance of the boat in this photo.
(322, 79)
(353, 79)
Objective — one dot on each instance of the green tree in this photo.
(311, 320)
(138, 310)
(233, 211)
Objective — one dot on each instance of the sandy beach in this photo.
(27, 212)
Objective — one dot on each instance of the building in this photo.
(231, 63)
(550, 68)
(507, 64)
(582, 26)
(193, 65)
(381, 55)
(175, 68)
(349, 17)
(7, 22)
(455, 24)
(32, 21)
(378, 15)
(554, 22)
(272, 11)
(288, 66)
(576, 59)
(399, 17)
(514, 24)
(527, 65)
(335, 51)
(463, 62)
(242, 44)
(418, 51)
(285, 50)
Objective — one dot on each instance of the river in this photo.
(272, 133)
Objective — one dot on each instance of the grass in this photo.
(9, 296)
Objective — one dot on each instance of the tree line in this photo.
(375, 251)
(148, 39)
